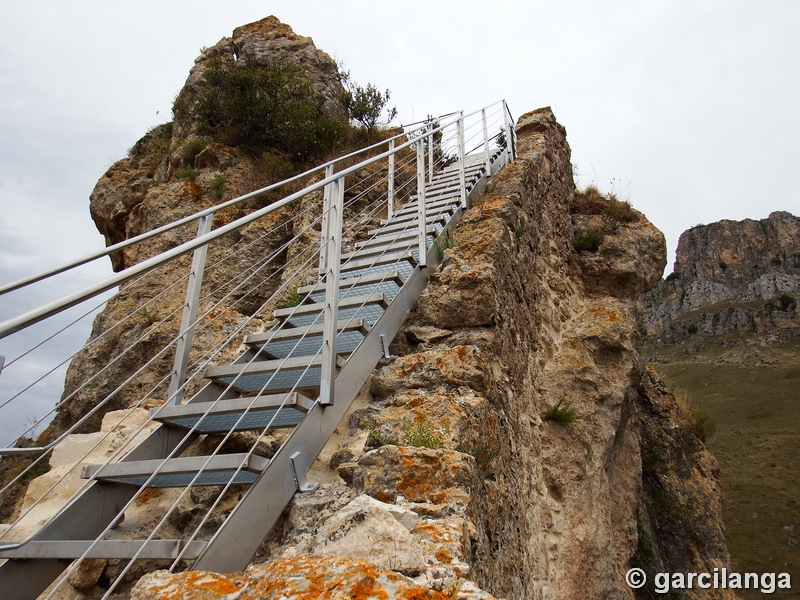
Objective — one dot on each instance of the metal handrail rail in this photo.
(34, 316)
(15, 285)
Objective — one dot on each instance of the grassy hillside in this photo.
(753, 395)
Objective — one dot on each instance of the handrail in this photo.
(15, 324)
(15, 285)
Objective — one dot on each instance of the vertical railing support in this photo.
(462, 171)
(390, 194)
(326, 214)
(184, 345)
(509, 133)
(331, 249)
(486, 155)
(430, 151)
(421, 216)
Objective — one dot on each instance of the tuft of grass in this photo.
(560, 412)
(423, 433)
(187, 174)
(218, 187)
(588, 240)
(619, 211)
(702, 425)
(448, 240)
(149, 316)
(293, 297)
(523, 224)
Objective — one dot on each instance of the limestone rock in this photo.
(375, 531)
(287, 579)
(729, 276)
(87, 574)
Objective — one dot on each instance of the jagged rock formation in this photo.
(468, 473)
(730, 276)
(170, 173)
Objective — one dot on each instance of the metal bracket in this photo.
(385, 348)
(300, 481)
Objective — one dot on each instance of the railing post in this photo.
(324, 229)
(430, 151)
(331, 247)
(184, 345)
(462, 178)
(422, 225)
(390, 195)
(486, 154)
(509, 133)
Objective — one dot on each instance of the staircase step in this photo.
(387, 260)
(179, 472)
(382, 241)
(221, 416)
(109, 549)
(411, 207)
(444, 209)
(401, 226)
(369, 308)
(357, 281)
(306, 341)
(284, 375)
(407, 245)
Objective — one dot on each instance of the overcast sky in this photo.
(689, 107)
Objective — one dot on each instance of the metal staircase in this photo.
(300, 375)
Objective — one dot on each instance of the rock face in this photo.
(729, 276)
(514, 322)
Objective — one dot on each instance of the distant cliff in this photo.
(730, 276)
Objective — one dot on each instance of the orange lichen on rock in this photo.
(299, 578)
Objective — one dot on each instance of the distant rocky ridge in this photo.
(730, 276)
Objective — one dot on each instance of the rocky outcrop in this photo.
(729, 277)
(170, 173)
(513, 323)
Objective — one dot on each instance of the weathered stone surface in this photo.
(285, 579)
(85, 577)
(369, 529)
(729, 276)
(417, 474)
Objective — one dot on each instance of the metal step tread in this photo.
(378, 241)
(109, 549)
(356, 281)
(441, 208)
(256, 412)
(265, 366)
(293, 333)
(406, 225)
(179, 472)
(385, 260)
(304, 309)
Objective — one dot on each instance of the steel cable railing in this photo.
(439, 154)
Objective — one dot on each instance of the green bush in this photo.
(588, 239)
(619, 211)
(274, 107)
(560, 412)
(365, 105)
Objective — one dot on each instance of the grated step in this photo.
(369, 308)
(285, 375)
(179, 472)
(109, 549)
(306, 341)
(276, 410)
